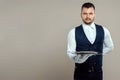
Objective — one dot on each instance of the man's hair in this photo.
(88, 5)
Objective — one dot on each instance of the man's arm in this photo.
(71, 47)
(108, 43)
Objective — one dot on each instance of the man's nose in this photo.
(88, 15)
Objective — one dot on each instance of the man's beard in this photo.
(88, 23)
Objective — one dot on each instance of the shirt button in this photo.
(91, 41)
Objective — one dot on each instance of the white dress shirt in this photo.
(90, 32)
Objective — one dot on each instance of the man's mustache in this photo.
(87, 19)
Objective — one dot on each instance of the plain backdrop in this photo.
(33, 38)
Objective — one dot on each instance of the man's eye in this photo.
(91, 13)
(85, 13)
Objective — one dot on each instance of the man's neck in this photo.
(89, 24)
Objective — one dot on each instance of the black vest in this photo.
(83, 44)
(92, 63)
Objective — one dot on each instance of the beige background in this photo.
(33, 38)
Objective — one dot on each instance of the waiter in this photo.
(93, 41)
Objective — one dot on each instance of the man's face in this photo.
(88, 15)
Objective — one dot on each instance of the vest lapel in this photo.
(86, 36)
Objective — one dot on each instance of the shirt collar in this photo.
(92, 26)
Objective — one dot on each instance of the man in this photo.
(93, 41)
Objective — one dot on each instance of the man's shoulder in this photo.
(103, 27)
(76, 27)
(79, 26)
(72, 30)
(98, 25)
